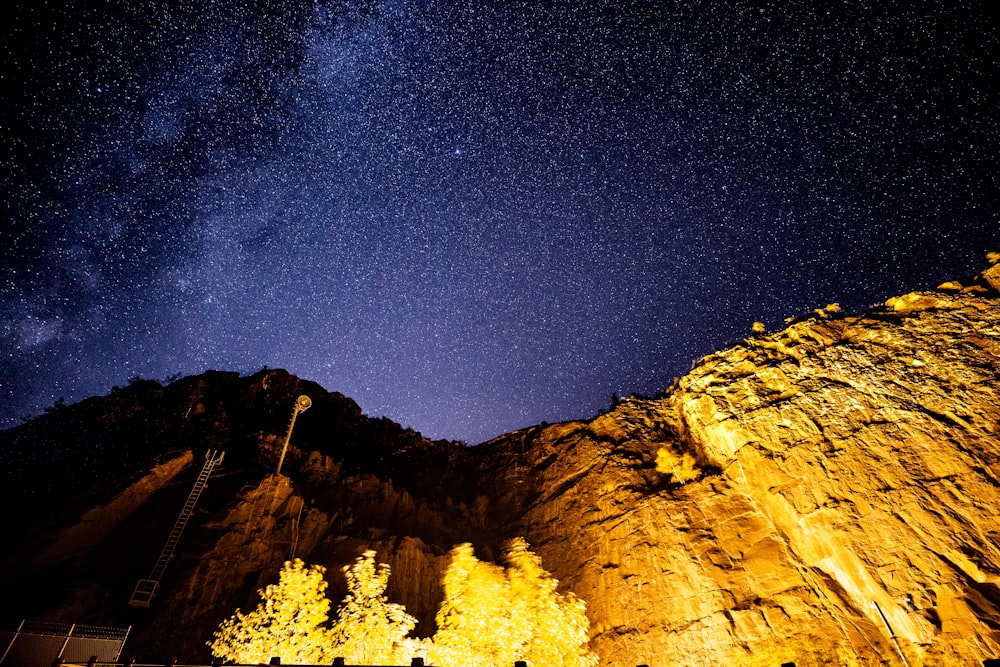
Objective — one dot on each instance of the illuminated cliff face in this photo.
(841, 483)
(850, 483)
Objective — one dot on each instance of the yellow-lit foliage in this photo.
(370, 630)
(490, 616)
(758, 328)
(682, 466)
(494, 616)
(830, 309)
(286, 623)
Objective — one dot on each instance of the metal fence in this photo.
(337, 662)
(37, 644)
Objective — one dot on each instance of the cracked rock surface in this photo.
(826, 494)
(847, 504)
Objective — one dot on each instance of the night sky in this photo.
(473, 216)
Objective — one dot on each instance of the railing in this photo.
(30, 642)
(70, 629)
(337, 662)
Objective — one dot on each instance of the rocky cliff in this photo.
(846, 501)
(826, 494)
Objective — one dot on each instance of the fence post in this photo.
(12, 640)
(92, 661)
(338, 662)
(417, 662)
(62, 649)
(275, 660)
(520, 663)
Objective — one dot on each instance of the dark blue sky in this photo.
(473, 216)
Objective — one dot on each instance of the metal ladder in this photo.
(145, 589)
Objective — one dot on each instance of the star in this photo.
(473, 217)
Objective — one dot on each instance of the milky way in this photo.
(473, 216)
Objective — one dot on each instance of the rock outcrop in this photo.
(847, 502)
(826, 494)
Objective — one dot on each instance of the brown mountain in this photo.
(843, 503)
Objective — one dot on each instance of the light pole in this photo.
(302, 403)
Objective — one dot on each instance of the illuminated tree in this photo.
(370, 630)
(492, 616)
(287, 622)
(471, 631)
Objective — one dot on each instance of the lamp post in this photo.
(302, 403)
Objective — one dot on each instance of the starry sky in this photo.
(473, 216)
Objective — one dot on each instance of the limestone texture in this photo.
(849, 484)
(826, 494)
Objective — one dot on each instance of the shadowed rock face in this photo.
(848, 482)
